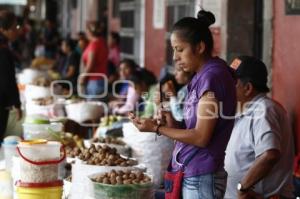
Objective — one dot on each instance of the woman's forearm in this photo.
(188, 136)
(90, 63)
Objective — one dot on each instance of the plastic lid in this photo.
(32, 142)
(11, 140)
(37, 119)
(57, 183)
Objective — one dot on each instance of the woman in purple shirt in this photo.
(208, 110)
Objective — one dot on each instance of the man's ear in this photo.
(200, 48)
(248, 89)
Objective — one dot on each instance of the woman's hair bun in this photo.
(206, 17)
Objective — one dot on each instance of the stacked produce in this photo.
(103, 156)
(109, 120)
(108, 140)
(122, 177)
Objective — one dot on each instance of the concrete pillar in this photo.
(268, 37)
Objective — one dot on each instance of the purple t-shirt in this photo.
(216, 77)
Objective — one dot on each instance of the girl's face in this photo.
(64, 47)
(125, 71)
(140, 89)
(184, 55)
(82, 44)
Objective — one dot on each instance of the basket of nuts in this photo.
(96, 159)
(112, 142)
(103, 155)
(122, 185)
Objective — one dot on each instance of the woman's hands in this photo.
(143, 124)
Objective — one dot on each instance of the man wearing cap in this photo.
(259, 155)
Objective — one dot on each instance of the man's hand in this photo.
(19, 113)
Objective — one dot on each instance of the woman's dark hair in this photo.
(143, 76)
(116, 37)
(96, 28)
(169, 77)
(7, 19)
(130, 63)
(70, 43)
(194, 30)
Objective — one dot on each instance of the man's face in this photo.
(240, 91)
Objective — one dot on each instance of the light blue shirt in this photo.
(176, 104)
(263, 126)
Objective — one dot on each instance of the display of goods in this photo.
(154, 152)
(39, 161)
(36, 92)
(84, 111)
(108, 140)
(122, 185)
(43, 101)
(41, 81)
(112, 142)
(103, 156)
(28, 75)
(38, 173)
(81, 184)
(70, 140)
(41, 131)
(122, 177)
(73, 152)
(109, 120)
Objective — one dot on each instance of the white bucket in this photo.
(39, 161)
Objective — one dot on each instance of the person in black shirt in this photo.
(9, 94)
(70, 70)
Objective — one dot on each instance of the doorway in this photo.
(244, 28)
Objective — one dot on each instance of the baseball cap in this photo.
(252, 69)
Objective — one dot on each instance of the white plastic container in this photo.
(84, 111)
(9, 145)
(36, 92)
(39, 161)
(28, 75)
(37, 150)
(41, 131)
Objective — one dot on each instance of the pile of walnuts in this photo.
(122, 177)
(108, 140)
(103, 156)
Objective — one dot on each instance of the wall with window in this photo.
(286, 69)
(145, 28)
(154, 42)
(114, 15)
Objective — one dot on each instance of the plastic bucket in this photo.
(40, 160)
(9, 145)
(52, 190)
